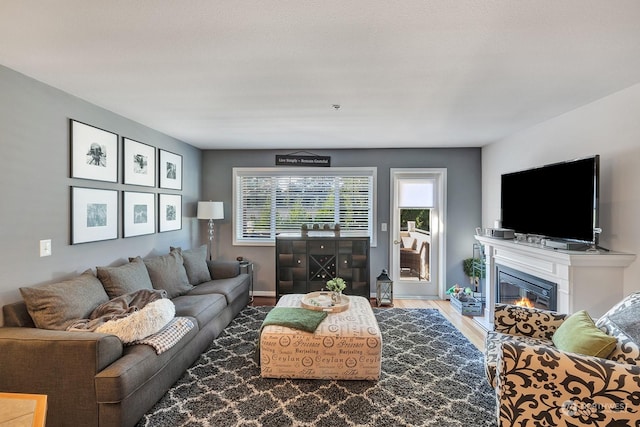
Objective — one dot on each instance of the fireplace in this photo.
(518, 288)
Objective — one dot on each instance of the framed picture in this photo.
(170, 211)
(139, 163)
(170, 170)
(94, 153)
(94, 215)
(138, 213)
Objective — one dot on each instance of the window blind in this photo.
(271, 201)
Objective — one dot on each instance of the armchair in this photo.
(538, 384)
(414, 259)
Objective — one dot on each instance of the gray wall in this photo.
(35, 195)
(463, 201)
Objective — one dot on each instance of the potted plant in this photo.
(474, 274)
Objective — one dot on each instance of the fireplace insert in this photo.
(519, 288)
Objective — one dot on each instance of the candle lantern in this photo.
(384, 289)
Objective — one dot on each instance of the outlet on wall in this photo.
(45, 247)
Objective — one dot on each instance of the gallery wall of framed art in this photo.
(100, 213)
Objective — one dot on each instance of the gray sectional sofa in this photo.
(93, 379)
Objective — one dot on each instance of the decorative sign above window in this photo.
(302, 160)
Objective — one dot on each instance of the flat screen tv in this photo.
(557, 201)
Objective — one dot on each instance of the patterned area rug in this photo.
(431, 376)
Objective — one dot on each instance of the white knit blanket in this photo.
(140, 324)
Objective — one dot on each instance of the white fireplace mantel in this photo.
(587, 280)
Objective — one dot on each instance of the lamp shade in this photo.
(210, 210)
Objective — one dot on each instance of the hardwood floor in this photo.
(465, 324)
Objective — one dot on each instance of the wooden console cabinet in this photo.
(305, 263)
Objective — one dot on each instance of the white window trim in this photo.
(302, 171)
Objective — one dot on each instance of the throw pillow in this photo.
(223, 269)
(195, 263)
(624, 316)
(125, 279)
(57, 305)
(578, 334)
(167, 272)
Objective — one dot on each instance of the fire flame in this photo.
(524, 302)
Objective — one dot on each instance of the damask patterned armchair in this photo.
(539, 385)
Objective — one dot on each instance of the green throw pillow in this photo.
(578, 334)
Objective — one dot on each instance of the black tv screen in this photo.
(555, 201)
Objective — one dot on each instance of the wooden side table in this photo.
(17, 409)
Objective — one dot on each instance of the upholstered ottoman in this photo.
(345, 346)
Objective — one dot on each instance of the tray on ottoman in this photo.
(321, 301)
(347, 345)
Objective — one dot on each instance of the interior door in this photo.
(417, 215)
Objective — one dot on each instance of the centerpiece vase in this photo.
(336, 297)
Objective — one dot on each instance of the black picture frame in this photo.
(138, 163)
(169, 212)
(94, 152)
(170, 170)
(138, 213)
(94, 215)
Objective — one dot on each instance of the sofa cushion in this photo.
(195, 264)
(203, 308)
(16, 314)
(223, 269)
(139, 364)
(167, 272)
(578, 334)
(125, 279)
(56, 305)
(231, 288)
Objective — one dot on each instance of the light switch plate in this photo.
(45, 247)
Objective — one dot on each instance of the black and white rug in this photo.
(431, 376)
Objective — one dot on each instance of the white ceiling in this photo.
(265, 74)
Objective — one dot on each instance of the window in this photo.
(268, 201)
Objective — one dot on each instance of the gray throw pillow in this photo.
(223, 269)
(57, 305)
(195, 263)
(125, 279)
(167, 272)
(626, 318)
